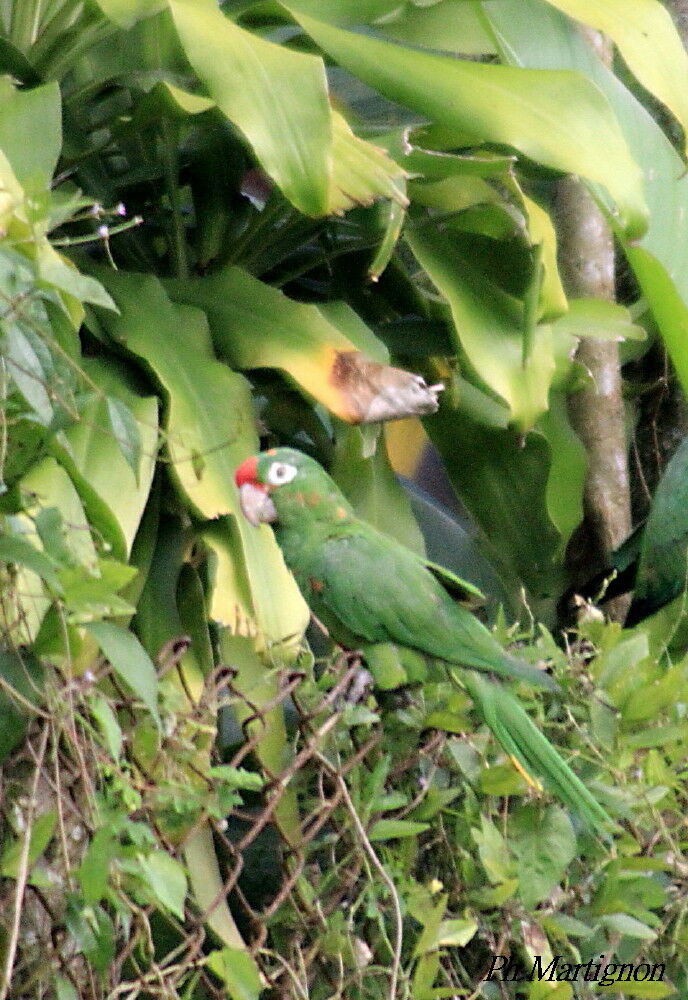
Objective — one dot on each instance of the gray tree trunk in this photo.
(587, 263)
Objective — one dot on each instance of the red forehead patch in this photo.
(247, 471)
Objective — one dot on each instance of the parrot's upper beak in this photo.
(256, 505)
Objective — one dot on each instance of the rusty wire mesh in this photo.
(281, 895)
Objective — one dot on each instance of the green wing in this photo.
(381, 592)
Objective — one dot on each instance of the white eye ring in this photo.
(280, 473)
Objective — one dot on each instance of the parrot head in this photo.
(283, 483)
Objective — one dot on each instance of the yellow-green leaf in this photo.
(488, 327)
(275, 96)
(210, 430)
(555, 117)
(646, 37)
(129, 660)
(114, 494)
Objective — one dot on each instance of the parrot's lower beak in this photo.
(256, 505)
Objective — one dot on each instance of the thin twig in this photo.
(23, 870)
(379, 867)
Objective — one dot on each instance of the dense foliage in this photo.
(202, 211)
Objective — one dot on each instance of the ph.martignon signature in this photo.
(507, 970)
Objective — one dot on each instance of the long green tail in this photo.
(521, 739)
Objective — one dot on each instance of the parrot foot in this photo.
(360, 686)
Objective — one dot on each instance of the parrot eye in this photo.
(280, 473)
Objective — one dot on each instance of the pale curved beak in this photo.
(256, 505)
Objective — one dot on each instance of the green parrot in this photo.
(653, 560)
(366, 589)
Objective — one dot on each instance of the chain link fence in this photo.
(73, 814)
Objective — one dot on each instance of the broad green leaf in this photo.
(598, 318)
(207, 887)
(450, 722)
(12, 209)
(566, 478)
(192, 104)
(544, 844)
(56, 270)
(668, 304)
(166, 879)
(126, 431)
(298, 338)
(237, 777)
(345, 12)
(623, 923)
(93, 597)
(536, 35)
(238, 972)
(193, 615)
(42, 831)
(551, 299)
(617, 669)
(129, 660)
(502, 779)
(275, 96)
(259, 685)
(655, 737)
(14, 549)
(570, 926)
(47, 485)
(113, 492)
(648, 700)
(506, 496)
(391, 829)
(52, 532)
(26, 368)
(125, 13)
(554, 117)
(361, 171)
(25, 114)
(108, 725)
(449, 26)
(24, 675)
(464, 183)
(435, 164)
(646, 37)
(157, 618)
(544, 990)
(92, 930)
(395, 218)
(494, 852)
(488, 327)
(94, 871)
(210, 430)
(456, 932)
